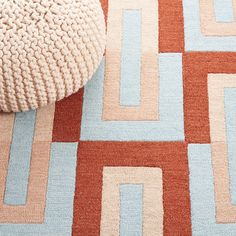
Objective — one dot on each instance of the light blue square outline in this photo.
(230, 123)
(170, 127)
(58, 217)
(202, 194)
(195, 40)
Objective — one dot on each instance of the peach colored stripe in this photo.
(209, 25)
(44, 123)
(148, 109)
(33, 210)
(4, 156)
(152, 198)
(6, 126)
(225, 211)
(216, 85)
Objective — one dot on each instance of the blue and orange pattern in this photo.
(147, 147)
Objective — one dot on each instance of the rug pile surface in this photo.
(147, 147)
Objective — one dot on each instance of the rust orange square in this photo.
(196, 67)
(170, 157)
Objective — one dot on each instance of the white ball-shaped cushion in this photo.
(48, 50)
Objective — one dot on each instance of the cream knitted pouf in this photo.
(48, 50)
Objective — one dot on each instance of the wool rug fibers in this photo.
(147, 147)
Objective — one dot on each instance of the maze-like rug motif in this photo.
(147, 147)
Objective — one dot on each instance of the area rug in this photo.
(148, 147)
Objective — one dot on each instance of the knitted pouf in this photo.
(48, 50)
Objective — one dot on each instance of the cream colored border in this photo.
(151, 178)
(148, 109)
(225, 211)
(209, 25)
(33, 210)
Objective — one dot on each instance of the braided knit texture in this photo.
(48, 50)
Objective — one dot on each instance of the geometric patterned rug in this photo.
(147, 147)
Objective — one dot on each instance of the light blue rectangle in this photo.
(202, 197)
(59, 200)
(131, 208)
(20, 156)
(224, 10)
(170, 126)
(131, 58)
(194, 38)
(230, 117)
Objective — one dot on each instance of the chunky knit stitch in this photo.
(48, 50)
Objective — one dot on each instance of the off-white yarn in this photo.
(48, 50)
